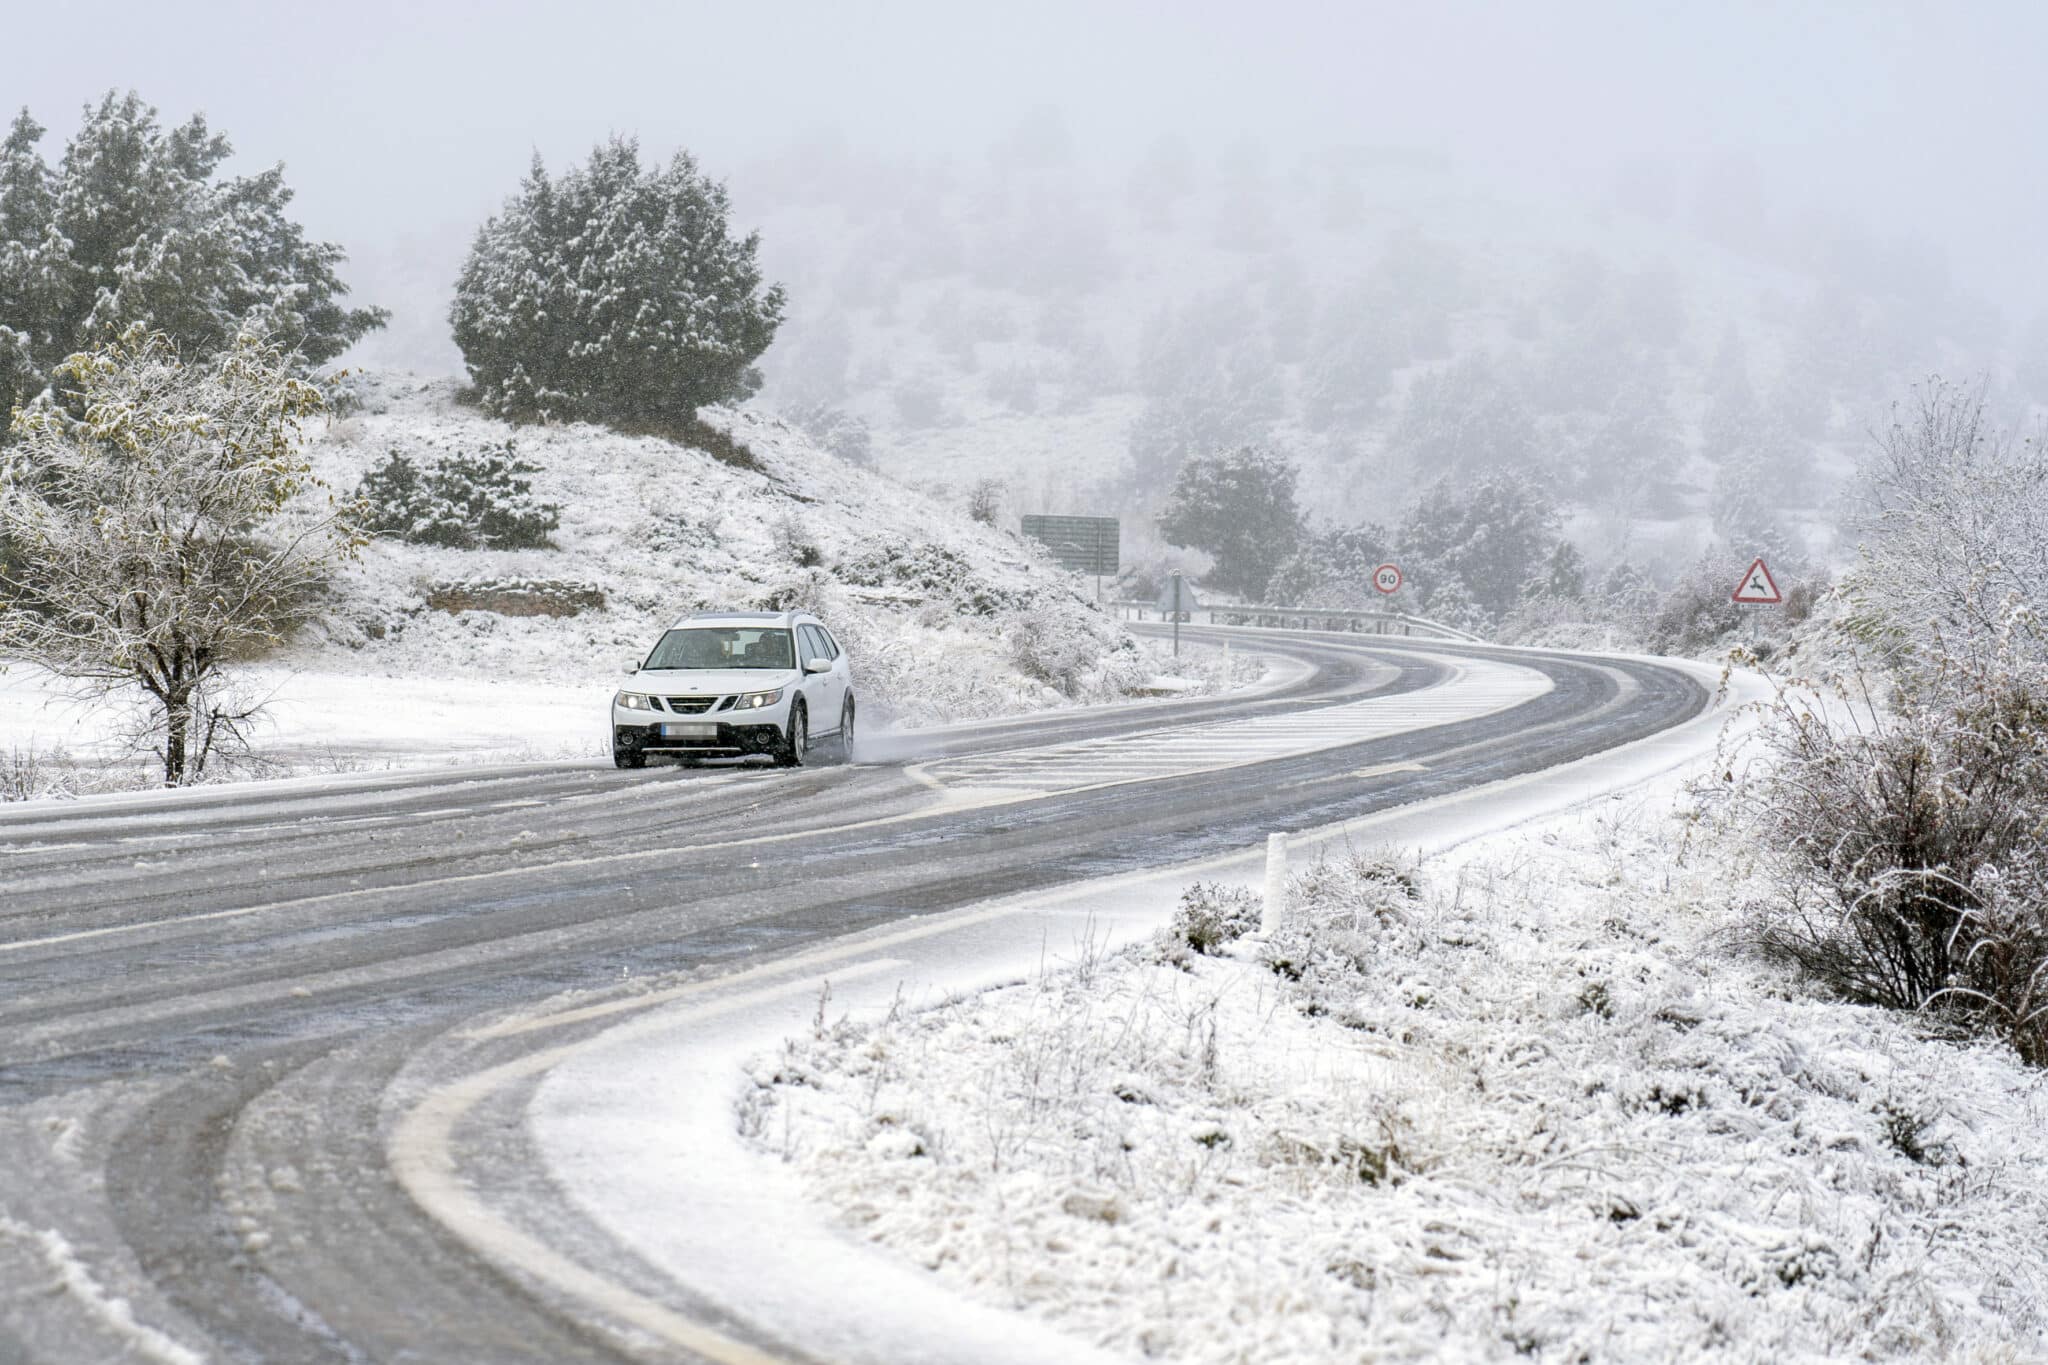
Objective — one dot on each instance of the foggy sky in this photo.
(404, 124)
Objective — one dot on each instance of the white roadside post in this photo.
(1276, 885)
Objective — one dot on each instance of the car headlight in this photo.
(634, 701)
(754, 701)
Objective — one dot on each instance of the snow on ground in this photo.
(945, 619)
(1535, 1109)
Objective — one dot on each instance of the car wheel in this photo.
(846, 730)
(791, 754)
(628, 758)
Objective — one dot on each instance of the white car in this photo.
(731, 683)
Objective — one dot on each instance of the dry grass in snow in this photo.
(1528, 1110)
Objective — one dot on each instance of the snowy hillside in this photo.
(946, 618)
(1075, 330)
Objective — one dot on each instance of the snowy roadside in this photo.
(319, 722)
(638, 1126)
(1532, 1108)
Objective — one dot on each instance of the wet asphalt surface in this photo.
(213, 1004)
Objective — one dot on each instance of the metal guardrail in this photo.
(1304, 618)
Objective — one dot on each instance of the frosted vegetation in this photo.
(1665, 383)
(946, 618)
(162, 522)
(1528, 1102)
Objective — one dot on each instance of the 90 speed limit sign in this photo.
(1386, 578)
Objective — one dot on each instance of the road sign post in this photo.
(1177, 597)
(1757, 589)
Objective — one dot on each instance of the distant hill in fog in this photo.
(1657, 359)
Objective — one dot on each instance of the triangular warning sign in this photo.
(1757, 586)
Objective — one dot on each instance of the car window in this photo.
(814, 646)
(723, 647)
(831, 645)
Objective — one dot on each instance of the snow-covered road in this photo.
(243, 1035)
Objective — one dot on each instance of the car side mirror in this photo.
(818, 666)
(632, 668)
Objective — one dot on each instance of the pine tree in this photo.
(614, 294)
(134, 227)
(1238, 507)
(1491, 533)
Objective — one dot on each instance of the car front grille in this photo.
(690, 706)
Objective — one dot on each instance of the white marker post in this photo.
(1276, 885)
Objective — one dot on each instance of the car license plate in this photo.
(699, 731)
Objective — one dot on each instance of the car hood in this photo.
(709, 682)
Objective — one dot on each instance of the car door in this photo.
(842, 670)
(823, 692)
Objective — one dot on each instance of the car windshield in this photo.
(724, 647)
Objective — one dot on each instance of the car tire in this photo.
(846, 731)
(628, 758)
(790, 753)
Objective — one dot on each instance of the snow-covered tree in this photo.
(1465, 417)
(1491, 533)
(135, 226)
(614, 294)
(1333, 569)
(174, 529)
(1207, 369)
(1951, 514)
(1239, 508)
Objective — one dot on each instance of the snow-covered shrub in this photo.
(1072, 648)
(1210, 915)
(464, 501)
(1909, 847)
(1698, 612)
(795, 545)
(985, 500)
(614, 294)
(929, 569)
(1345, 915)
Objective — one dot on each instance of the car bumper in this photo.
(750, 737)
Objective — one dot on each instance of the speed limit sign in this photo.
(1387, 577)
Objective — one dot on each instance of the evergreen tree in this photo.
(1491, 533)
(1333, 570)
(133, 227)
(1464, 417)
(614, 294)
(1239, 508)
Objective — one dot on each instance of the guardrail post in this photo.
(1275, 915)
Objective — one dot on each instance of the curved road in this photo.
(215, 1005)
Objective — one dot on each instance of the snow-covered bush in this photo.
(614, 294)
(466, 502)
(1909, 843)
(929, 569)
(1072, 648)
(1210, 915)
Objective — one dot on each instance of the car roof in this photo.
(737, 618)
